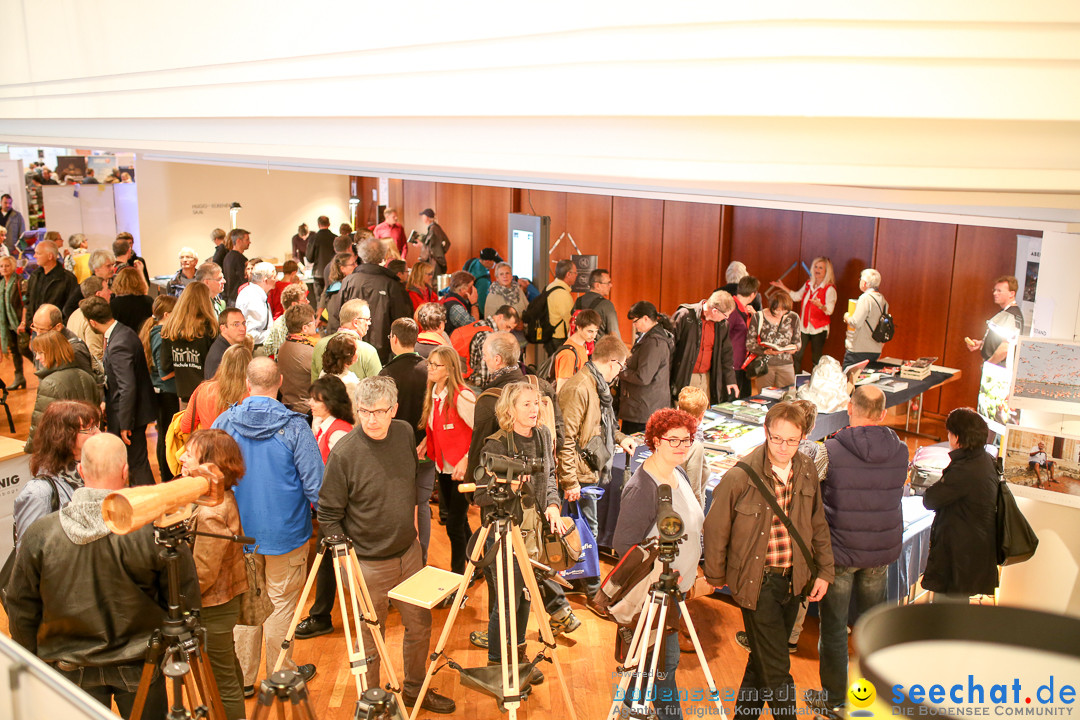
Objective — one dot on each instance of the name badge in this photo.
(448, 426)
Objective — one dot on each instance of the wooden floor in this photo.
(586, 654)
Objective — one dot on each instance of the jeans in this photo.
(120, 683)
(425, 483)
(552, 595)
(850, 358)
(665, 698)
(816, 343)
(767, 678)
(219, 621)
(457, 521)
(520, 602)
(869, 586)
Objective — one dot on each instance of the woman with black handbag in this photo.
(774, 336)
(669, 434)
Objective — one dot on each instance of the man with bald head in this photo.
(86, 600)
(284, 471)
(48, 317)
(49, 283)
(866, 466)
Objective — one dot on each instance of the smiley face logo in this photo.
(861, 694)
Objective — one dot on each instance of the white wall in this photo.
(171, 212)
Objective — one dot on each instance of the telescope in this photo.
(165, 504)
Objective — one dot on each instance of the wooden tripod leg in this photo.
(287, 642)
(154, 649)
(366, 612)
(548, 637)
(701, 659)
(478, 552)
(355, 650)
(206, 684)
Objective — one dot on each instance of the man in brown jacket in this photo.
(748, 549)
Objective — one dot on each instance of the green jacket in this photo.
(65, 382)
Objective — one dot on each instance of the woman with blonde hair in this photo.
(168, 404)
(215, 396)
(818, 297)
(129, 302)
(447, 418)
(186, 337)
(419, 284)
(58, 379)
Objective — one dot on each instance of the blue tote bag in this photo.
(589, 565)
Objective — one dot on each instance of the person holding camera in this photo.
(520, 436)
(669, 434)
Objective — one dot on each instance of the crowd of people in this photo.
(350, 401)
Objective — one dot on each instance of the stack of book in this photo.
(917, 369)
(751, 414)
(718, 463)
(891, 384)
(773, 393)
(728, 409)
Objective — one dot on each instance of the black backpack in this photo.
(885, 329)
(538, 327)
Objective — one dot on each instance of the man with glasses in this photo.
(48, 317)
(283, 474)
(597, 298)
(749, 549)
(232, 330)
(210, 275)
(369, 496)
(356, 322)
(50, 283)
(703, 355)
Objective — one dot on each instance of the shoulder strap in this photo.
(771, 499)
(884, 310)
(54, 503)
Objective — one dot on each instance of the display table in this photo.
(14, 473)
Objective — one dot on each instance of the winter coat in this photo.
(963, 538)
(645, 382)
(688, 326)
(861, 494)
(387, 298)
(580, 405)
(737, 529)
(283, 472)
(89, 596)
(64, 382)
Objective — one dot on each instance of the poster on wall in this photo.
(73, 166)
(1028, 255)
(102, 165)
(993, 402)
(585, 264)
(1044, 461)
(1046, 376)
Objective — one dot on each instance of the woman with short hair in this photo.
(778, 326)
(340, 355)
(59, 378)
(963, 538)
(129, 302)
(859, 342)
(504, 290)
(63, 429)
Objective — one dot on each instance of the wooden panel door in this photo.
(417, 195)
(982, 254)
(915, 260)
(849, 243)
(367, 211)
(453, 209)
(490, 206)
(691, 243)
(636, 254)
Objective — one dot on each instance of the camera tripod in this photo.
(509, 551)
(180, 640)
(347, 572)
(279, 687)
(664, 596)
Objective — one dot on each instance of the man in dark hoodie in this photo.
(384, 292)
(86, 600)
(861, 490)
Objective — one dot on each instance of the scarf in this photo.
(607, 414)
(510, 294)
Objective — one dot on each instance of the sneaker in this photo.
(792, 648)
(306, 672)
(479, 638)
(564, 621)
(815, 700)
(249, 691)
(743, 640)
(433, 702)
(311, 627)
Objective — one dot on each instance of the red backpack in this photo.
(462, 338)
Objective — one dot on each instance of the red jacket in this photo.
(395, 231)
(323, 440)
(448, 436)
(817, 317)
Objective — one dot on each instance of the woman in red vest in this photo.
(331, 412)
(818, 297)
(448, 419)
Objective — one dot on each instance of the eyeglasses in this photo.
(678, 442)
(621, 364)
(779, 441)
(363, 319)
(436, 365)
(377, 413)
(239, 324)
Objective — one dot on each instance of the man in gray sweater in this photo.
(369, 495)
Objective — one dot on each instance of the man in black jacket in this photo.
(435, 242)
(320, 251)
(86, 600)
(703, 354)
(129, 394)
(234, 266)
(385, 295)
(49, 283)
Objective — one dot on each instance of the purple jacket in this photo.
(861, 493)
(737, 330)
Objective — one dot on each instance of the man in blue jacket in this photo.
(284, 472)
(861, 490)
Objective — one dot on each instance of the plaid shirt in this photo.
(481, 375)
(778, 553)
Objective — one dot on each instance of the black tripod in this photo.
(180, 640)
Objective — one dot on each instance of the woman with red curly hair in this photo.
(669, 434)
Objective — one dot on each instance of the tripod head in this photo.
(501, 476)
(377, 704)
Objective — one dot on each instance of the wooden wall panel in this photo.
(918, 257)
(767, 242)
(417, 195)
(367, 212)
(588, 220)
(636, 254)
(552, 204)
(982, 254)
(691, 242)
(849, 243)
(453, 208)
(397, 197)
(490, 206)
(727, 213)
